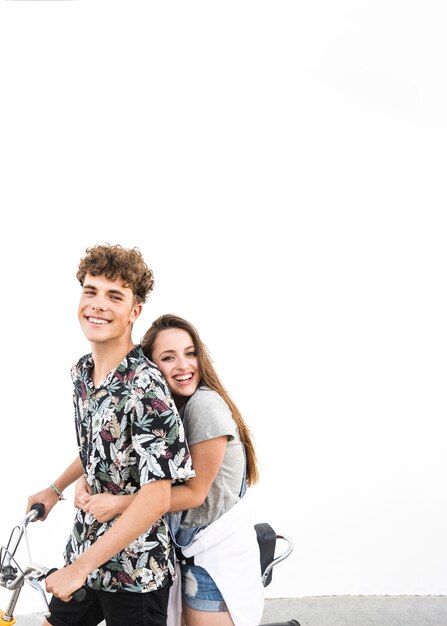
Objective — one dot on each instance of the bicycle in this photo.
(267, 539)
(13, 577)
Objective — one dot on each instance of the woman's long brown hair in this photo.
(208, 377)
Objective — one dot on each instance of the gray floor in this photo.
(342, 611)
(359, 610)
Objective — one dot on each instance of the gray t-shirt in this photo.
(206, 416)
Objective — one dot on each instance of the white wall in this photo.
(282, 167)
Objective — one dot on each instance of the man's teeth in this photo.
(96, 321)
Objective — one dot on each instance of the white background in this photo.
(282, 167)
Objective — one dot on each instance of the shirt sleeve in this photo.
(207, 416)
(158, 437)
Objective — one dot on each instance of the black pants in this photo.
(117, 609)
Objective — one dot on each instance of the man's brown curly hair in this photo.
(115, 262)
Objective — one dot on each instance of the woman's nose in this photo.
(182, 362)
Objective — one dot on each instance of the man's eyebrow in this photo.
(121, 293)
(111, 291)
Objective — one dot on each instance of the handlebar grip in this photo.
(40, 508)
(78, 595)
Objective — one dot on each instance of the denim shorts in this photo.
(199, 591)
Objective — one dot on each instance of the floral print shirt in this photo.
(129, 434)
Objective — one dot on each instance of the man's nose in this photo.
(98, 303)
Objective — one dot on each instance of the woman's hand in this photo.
(83, 493)
(105, 506)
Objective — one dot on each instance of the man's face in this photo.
(106, 309)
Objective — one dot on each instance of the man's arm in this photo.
(150, 503)
(49, 497)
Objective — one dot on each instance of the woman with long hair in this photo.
(210, 518)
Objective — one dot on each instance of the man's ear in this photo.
(136, 310)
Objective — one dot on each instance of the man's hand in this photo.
(47, 497)
(64, 582)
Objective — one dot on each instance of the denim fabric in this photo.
(199, 591)
(181, 537)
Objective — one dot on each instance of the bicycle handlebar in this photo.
(36, 512)
(39, 509)
(13, 577)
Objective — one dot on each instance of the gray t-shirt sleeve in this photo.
(207, 416)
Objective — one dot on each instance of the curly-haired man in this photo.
(130, 440)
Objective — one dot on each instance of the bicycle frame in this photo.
(12, 576)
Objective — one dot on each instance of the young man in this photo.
(131, 440)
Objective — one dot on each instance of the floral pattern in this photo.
(129, 434)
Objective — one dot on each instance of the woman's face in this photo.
(175, 355)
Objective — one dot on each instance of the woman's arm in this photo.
(207, 457)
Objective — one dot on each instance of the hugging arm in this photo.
(207, 457)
